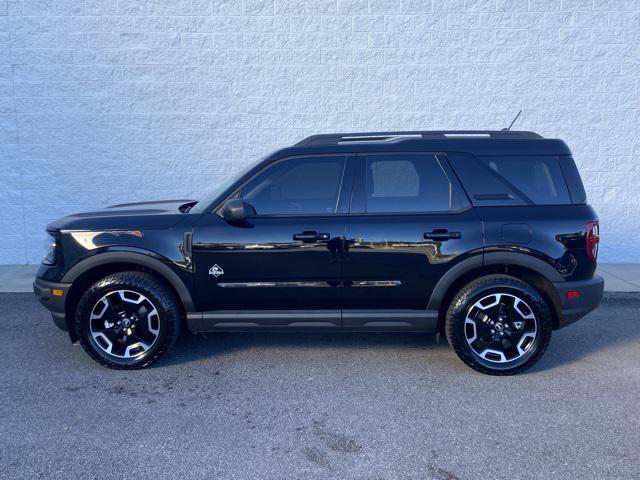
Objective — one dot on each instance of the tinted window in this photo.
(539, 178)
(574, 182)
(407, 183)
(298, 186)
(219, 189)
(484, 186)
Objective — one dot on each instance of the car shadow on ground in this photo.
(191, 348)
(612, 325)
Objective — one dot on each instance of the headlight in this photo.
(50, 249)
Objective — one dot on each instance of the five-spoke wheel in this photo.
(499, 324)
(124, 323)
(127, 320)
(500, 327)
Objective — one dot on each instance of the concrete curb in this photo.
(17, 278)
(621, 296)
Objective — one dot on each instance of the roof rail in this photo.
(392, 137)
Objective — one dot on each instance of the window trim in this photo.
(343, 177)
(359, 189)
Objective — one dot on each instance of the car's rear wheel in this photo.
(127, 320)
(499, 325)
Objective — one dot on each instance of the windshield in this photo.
(219, 189)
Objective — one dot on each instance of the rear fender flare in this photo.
(493, 258)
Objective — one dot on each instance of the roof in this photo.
(475, 142)
(392, 137)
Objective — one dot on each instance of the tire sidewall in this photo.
(83, 329)
(458, 312)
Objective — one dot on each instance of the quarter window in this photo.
(539, 178)
(409, 183)
(297, 186)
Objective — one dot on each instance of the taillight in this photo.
(593, 239)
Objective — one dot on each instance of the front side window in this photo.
(407, 183)
(297, 186)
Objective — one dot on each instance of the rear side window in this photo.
(539, 178)
(407, 183)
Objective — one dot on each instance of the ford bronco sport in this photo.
(485, 236)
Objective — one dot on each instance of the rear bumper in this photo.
(590, 295)
(55, 304)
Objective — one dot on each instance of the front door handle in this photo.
(309, 236)
(441, 234)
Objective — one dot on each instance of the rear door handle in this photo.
(309, 236)
(441, 234)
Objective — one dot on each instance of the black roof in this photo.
(475, 142)
(391, 137)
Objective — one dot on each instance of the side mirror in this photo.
(234, 210)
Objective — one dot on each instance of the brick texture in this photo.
(109, 101)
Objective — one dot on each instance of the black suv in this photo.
(485, 236)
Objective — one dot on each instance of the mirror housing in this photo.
(234, 211)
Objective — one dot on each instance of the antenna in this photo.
(514, 121)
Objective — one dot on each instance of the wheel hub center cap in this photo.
(126, 322)
(499, 327)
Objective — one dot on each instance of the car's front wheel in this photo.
(127, 320)
(499, 325)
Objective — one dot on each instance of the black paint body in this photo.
(365, 271)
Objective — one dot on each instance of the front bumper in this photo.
(54, 303)
(590, 295)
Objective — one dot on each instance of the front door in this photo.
(285, 257)
(410, 222)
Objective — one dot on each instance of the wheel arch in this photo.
(537, 273)
(88, 271)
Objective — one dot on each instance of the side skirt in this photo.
(390, 320)
(313, 320)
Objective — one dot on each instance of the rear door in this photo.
(410, 222)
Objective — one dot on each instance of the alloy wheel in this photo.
(124, 324)
(500, 328)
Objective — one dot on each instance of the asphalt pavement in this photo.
(343, 406)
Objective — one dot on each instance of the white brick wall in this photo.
(105, 101)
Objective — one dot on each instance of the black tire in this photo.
(162, 325)
(495, 349)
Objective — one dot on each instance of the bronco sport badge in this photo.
(216, 271)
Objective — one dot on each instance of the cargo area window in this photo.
(538, 177)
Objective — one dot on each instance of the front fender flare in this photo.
(138, 258)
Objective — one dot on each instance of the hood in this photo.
(143, 216)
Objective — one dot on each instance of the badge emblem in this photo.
(216, 271)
